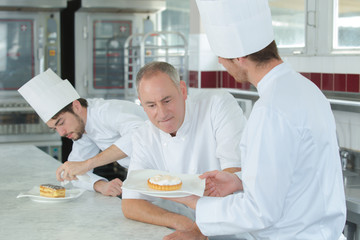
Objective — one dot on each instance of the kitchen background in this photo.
(99, 46)
(320, 39)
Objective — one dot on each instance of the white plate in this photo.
(137, 181)
(34, 194)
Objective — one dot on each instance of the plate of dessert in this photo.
(158, 183)
(52, 193)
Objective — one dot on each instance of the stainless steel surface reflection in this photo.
(352, 182)
(348, 173)
(351, 179)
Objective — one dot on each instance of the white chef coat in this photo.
(207, 139)
(108, 122)
(291, 172)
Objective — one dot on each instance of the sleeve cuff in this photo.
(88, 185)
(124, 144)
(239, 174)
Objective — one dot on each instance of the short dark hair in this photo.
(263, 56)
(68, 108)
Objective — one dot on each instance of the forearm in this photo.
(109, 155)
(144, 211)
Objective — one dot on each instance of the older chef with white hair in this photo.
(291, 185)
(101, 129)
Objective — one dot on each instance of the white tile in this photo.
(201, 57)
(342, 128)
(325, 64)
(209, 62)
(355, 137)
(355, 131)
(343, 134)
(348, 129)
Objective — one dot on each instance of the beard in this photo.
(79, 130)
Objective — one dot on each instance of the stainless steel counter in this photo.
(91, 216)
(352, 192)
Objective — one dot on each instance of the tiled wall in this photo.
(325, 81)
(335, 81)
(215, 79)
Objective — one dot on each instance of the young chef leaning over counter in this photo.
(93, 124)
(185, 134)
(291, 185)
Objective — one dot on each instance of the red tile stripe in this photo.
(325, 81)
(339, 82)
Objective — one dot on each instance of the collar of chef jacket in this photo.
(92, 122)
(88, 123)
(267, 80)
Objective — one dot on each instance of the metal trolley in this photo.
(140, 49)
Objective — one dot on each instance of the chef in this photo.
(292, 185)
(185, 134)
(101, 129)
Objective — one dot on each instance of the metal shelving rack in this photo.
(153, 46)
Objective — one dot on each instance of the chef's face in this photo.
(68, 125)
(234, 69)
(163, 101)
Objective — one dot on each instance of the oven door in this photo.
(17, 50)
(29, 43)
(99, 44)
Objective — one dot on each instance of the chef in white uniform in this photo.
(101, 129)
(292, 185)
(185, 134)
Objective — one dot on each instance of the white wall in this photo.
(348, 129)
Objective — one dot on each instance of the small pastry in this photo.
(165, 182)
(53, 191)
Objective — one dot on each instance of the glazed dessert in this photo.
(165, 182)
(53, 191)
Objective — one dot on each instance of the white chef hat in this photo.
(236, 28)
(47, 94)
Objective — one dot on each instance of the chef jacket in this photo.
(108, 122)
(207, 139)
(291, 172)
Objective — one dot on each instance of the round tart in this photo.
(165, 182)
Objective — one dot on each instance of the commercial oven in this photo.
(29, 44)
(101, 29)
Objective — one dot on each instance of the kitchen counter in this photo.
(91, 216)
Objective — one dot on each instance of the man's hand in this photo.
(70, 169)
(221, 183)
(191, 234)
(112, 188)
